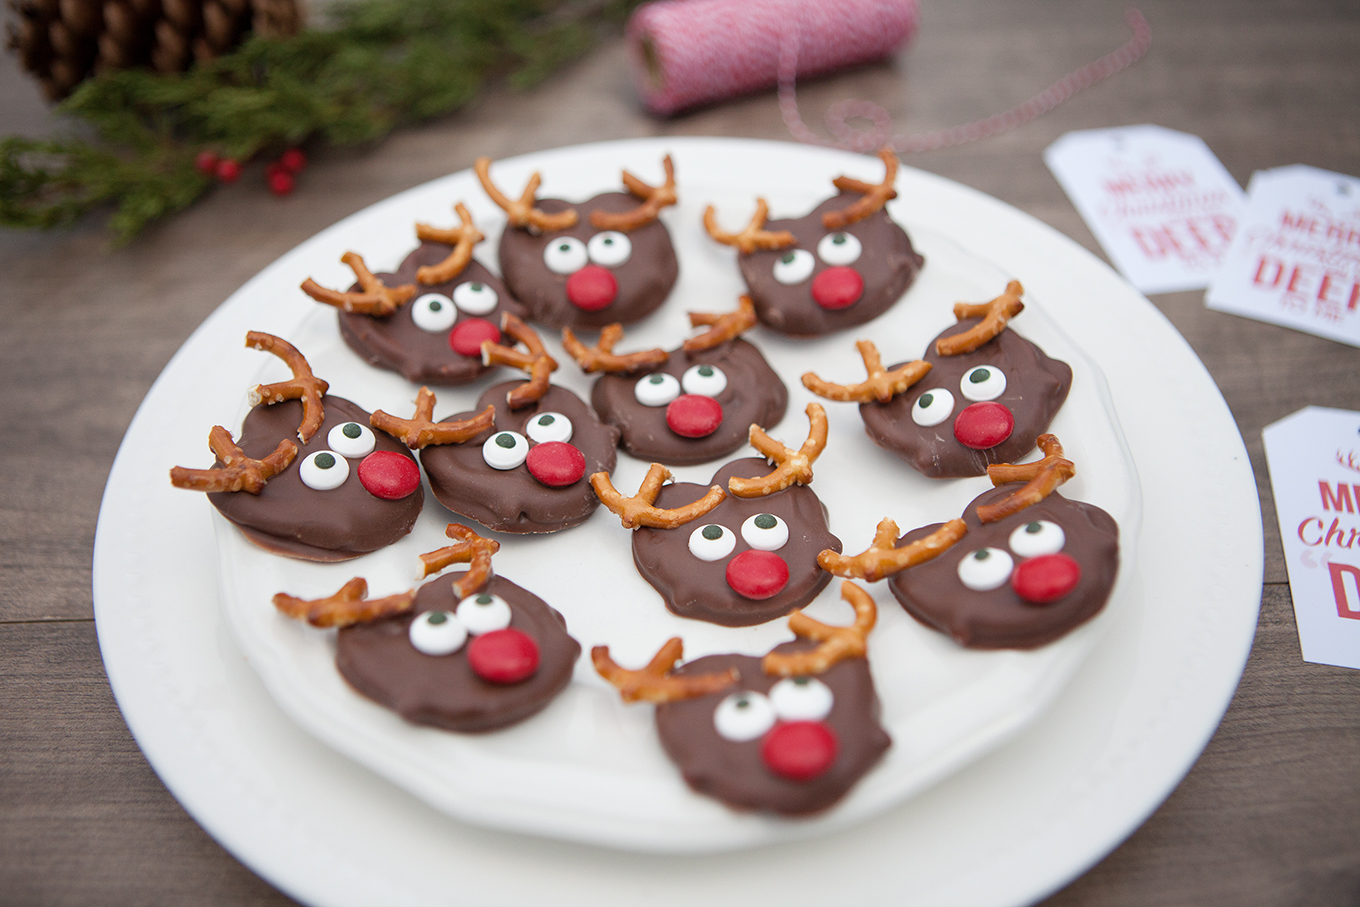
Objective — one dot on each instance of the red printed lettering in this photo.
(1347, 594)
(1336, 500)
(1311, 522)
(1272, 265)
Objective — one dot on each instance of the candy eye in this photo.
(708, 380)
(794, 266)
(801, 699)
(505, 450)
(656, 389)
(566, 255)
(437, 633)
(1038, 538)
(985, 569)
(548, 427)
(712, 542)
(932, 407)
(765, 532)
(351, 440)
(434, 312)
(475, 298)
(743, 716)
(483, 613)
(609, 249)
(324, 470)
(839, 249)
(983, 382)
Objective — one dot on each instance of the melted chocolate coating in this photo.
(291, 519)
(397, 343)
(754, 394)
(734, 771)
(698, 589)
(1036, 387)
(378, 660)
(888, 265)
(999, 619)
(513, 500)
(645, 279)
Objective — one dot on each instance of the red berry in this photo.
(757, 575)
(837, 288)
(556, 464)
(503, 656)
(467, 336)
(388, 475)
(984, 425)
(228, 170)
(281, 182)
(592, 288)
(293, 160)
(800, 750)
(1046, 579)
(694, 415)
(205, 162)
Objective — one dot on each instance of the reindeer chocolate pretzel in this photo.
(843, 264)
(608, 259)
(788, 733)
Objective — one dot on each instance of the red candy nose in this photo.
(592, 288)
(694, 415)
(467, 336)
(1046, 579)
(836, 288)
(984, 425)
(757, 575)
(556, 463)
(800, 750)
(503, 656)
(388, 475)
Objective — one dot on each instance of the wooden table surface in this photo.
(1269, 815)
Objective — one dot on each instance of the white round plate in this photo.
(1123, 727)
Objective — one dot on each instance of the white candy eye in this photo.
(743, 716)
(801, 699)
(986, 569)
(505, 450)
(609, 248)
(708, 380)
(565, 255)
(765, 532)
(324, 470)
(548, 427)
(351, 439)
(712, 542)
(932, 407)
(1037, 538)
(437, 633)
(483, 612)
(983, 382)
(475, 298)
(656, 389)
(434, 312)
(839, 249)
(794, 266)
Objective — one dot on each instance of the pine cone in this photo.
(62, 42)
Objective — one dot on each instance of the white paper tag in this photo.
(1314, 462)
(1161, 205)
(1296, 258)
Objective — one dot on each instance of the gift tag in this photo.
(1161, 205)
(1314, 462)
(1296, 258)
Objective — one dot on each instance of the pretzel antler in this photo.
(304, 385)
(462, 238)
(1042, 477)
(655, 683)
(882, 560)
(468, 548)
(601, 356)
(882, 385)
(836, 643)
(654, 199)
(722, 326)
(346, 607)
(536, 362)
(374, 298)
(753, 237)
(995, 314)
(793, 466)
(522, 213)
(421, 431)
(638, 510)
(238, 472)
(874, 197)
